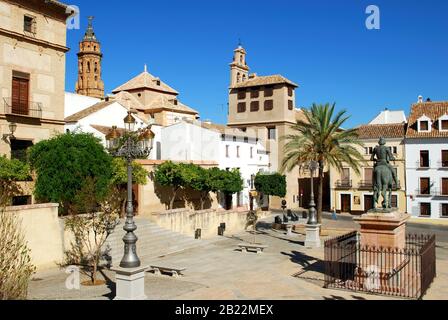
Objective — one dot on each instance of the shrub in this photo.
(271, 184)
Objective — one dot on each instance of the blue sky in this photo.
(323, 45)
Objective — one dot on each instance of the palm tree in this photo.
(320, 137)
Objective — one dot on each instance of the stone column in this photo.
(130, 283)
(312, 236)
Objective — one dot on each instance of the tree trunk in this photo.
(173, 198)
(203, 195)
(320, 192)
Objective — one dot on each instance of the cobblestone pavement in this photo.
(218, 271)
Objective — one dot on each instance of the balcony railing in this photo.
(23, 108)
(442, 165)
(423, 164)
(368, 185)
(343, 184)
(441, 193)
(424, 192)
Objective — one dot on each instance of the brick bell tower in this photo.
(89, 81)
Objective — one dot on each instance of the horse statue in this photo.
(384, 175)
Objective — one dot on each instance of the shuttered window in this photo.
(269, 105)
(290, 91)
(20, 93)
(254, 93)
(268, 91)
(445, 186)
(425, 209)
(241, 94)
(290, 105)
(254, 106)
(241, 107)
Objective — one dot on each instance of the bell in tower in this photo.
(239, 71)
(89, 81)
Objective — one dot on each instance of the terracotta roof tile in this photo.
(376, 131)
(88, 111)
(264, 80)
(162, 102)
(145, 80)
(432, 110)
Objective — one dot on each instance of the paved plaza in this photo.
(218, 271)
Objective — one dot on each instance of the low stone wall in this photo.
(42, 229)
(186, 221)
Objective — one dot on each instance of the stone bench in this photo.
(258, 248)
(174, 271)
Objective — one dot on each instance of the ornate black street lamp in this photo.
(312, 219)
(132, 145)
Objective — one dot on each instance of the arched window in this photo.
(96, 67)
(88, 66)
(241, 59)
(244, 77)
(238, 77)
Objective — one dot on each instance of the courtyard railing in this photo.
(402, 272)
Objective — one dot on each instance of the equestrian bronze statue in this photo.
(384, 175)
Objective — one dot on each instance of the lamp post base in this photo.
(130, 283)
(313, 236)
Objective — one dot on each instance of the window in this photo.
(88, 66)
(241, 107)
(444, 210)
(19, 148)
(237, 151)
(254, 106)
(444, 125)
(290, 91)
(445, 186)
(20, 93)
(254, 93)
(425, 209)
(394, 201)
(251, 152)
(368, 175)
(238, 78)
(272, 133)
(424, 159)
(29, 24)
(425, 188)
(234, 139)
(345, 176)
(445, 158)
(290, 105)
(241, 94)
(227, 151)
(268, 105)
(268, 91)
(424, 125)
(246, 140)
(96, 67)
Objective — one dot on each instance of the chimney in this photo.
(420, 99)
(428, 100)
(252, 76)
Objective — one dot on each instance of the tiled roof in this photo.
(145, 80)
(432, 110)
(223, 129)
(105, 130)
(300, 116)
(88, 111)
(263, 81)
(376, 131)
(162, 102)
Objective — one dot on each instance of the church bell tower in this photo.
(89, 81)
(239, 71)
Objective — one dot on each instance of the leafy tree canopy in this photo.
(120, 172)
(13, 170)
(169, 174)
(63, 165)
(225, 181)
(271, 184)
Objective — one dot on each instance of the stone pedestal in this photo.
(130, 283)
(387, 230)
(312, 236)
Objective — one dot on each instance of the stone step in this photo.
(144, 240)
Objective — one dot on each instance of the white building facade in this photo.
(230, 148)
(426, 147)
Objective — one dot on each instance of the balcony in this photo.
(343, 184)
(441, 193)
(368, 185)
(442, 165)
(423, 164)
(424, 192)
(23, 108)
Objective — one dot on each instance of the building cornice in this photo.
(25, 38)
(246, 124)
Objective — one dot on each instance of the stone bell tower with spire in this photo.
(89, 81)
(239, 71)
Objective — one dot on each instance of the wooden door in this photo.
(346, 205)
(424, 186)
(368, 202)
(19, 96)
(445, 158)
(445, 186)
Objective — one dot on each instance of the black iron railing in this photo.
(343, 184)
(403, 272)
(442, 164)
(428, 192)
(368, 185)
(23, 108)
(440, 193)
(426, 164)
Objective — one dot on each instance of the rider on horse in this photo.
(383, 157)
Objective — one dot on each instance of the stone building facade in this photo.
(32, 72)
(265, 106)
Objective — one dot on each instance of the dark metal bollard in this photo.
(220, 231)
(198, 234)
(223, 226)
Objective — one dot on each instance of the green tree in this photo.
(226, 182)
(271, 184)
(11, 172)
(119, 178)
(170, 174)
(321, 138)
(198, 179)
(63, 164)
